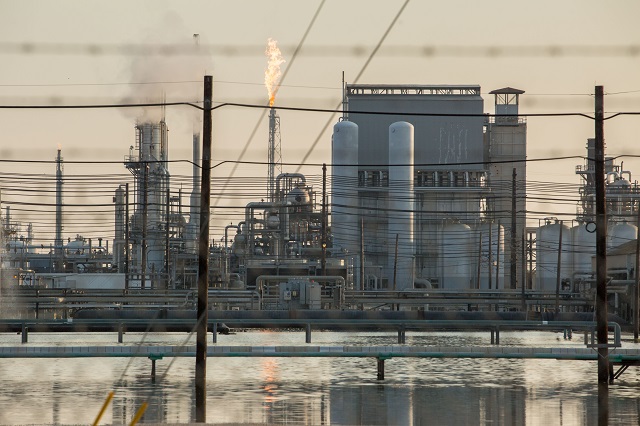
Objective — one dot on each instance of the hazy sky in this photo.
(44, 57)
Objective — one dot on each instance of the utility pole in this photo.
(523, 282)
(559, 268)
(500, 238)
(145, 213)
(323, 262)
(126, 238)
(601, 242)
(167, 247)
(636, 292)
(530, 280)
(490, 269)
(395, 265)
(362, 253)
(514, 257)
(479, 261)
(203, 257)
(59, 249)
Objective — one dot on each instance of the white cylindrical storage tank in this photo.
(456, 257)
(344, 187)
(400, 212)
(620, 233)
(488, 249)
(547, 244)
(584, 248)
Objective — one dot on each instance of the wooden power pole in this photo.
(636, 314)
(514, 224)
(601, 243)
(203, 257)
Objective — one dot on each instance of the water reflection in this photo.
(603, 404)
(55, 406)
(269, 370)
(318, 390)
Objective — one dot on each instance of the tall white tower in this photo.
(345, 214)
(507, 144)
(401, 206)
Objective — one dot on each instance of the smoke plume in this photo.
(170, 77)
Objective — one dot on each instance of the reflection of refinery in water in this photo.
(417, 201)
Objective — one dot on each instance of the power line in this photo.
(364, 67)
(302, 109)
(490, 51)
(264, 163)
(103, 106)
(320, 110)
(248, 83)
(264, 111)
(151, 83)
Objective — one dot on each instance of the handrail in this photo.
(351, 324)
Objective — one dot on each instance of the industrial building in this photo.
(432, 201)
(427, 191)
(565, 250)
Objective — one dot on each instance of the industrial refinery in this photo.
(424, 200)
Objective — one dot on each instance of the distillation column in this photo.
(344, 187)
(151, 185)
(400, 216)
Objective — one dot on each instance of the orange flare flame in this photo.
(272, 73)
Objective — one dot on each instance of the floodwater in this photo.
(341, 391)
